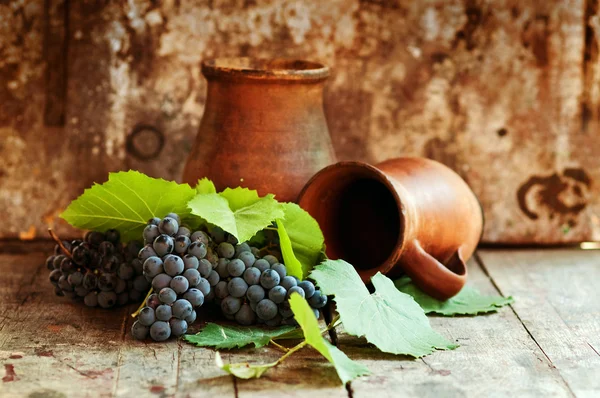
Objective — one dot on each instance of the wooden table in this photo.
(546, 344)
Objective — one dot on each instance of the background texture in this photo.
(507, 93)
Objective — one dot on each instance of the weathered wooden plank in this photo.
(496, 358)
(558, 302)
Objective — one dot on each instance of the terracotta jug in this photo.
(263, 126)
(405, 215)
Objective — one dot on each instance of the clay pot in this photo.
(405, 215)
(263, 126)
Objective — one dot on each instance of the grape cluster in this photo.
(254, 289)
(179, 266)
(98, 269)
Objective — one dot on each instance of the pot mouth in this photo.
(276, 69)
(319, 194)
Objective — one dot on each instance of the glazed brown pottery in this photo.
(405, 215)
(263, 126)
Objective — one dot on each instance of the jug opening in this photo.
(264, 69)
(366, 224)
(359, 214)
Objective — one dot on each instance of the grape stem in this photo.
(289, 352)
(59, 243)
(282, 348)
(271, 229)
(136, 313)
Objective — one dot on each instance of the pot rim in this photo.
(380, 176)
(264, 69)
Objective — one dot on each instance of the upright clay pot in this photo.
(405, 215)
(263, 126)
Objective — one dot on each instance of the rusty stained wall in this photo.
(507, 93)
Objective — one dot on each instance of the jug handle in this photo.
(431, 276)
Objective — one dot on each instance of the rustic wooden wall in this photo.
(505, 92)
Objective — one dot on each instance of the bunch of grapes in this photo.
(177, 263)
(98, 269)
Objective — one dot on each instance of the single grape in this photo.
(67, 265)
(138, 266)
(270, 259)
(113, 236)
(197, 249)
(150, 233)
(161, 281)
(182, 243)
(120, 286)
(245, 315)
(285, 310)
(280, 269)
(55, 276)
(50, 263)
(107, 282)
(80, 255)
(296, 289)
(167, 295)
(269, 279)
(248, 258)
(174, 216)
(110, 264)
(153, 301)
(203, 286)
(266, 309)
(90, 280)
(81, 291)
(153, 266)
(237, 287)
(255, 293)
(288, 282)
(242, 247)
(160, 331)
(182, 308)
(277, 294)
(125, 271)
(200, 236)
(262, 265)
(107, 299)
(163, 245)
(183, 231)
(139, 331)
(213, 278)
(236, 267)
(57, 261)
(221, 290)
(275, 321)
(178, 327)
(226, 250)
(255, 251)
(252, 276)
(205, 267)
(308, 287)
(173, 264)
(146, 251)
(230, 305)
(168, 226)
(94, 238)
(91, 299)
(106, 249)
(218, 234)
(163, 312)
(318, 300)
(180, 284)
(193, 277)
(191, 262)
(232, 239)
(146, 316)
(192, 318)
(141, 284)
(195, 297)
(222, 266)
(153, 221)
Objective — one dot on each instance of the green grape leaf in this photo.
(238, 211)
(205, 185)
(243, 370)
(126, 201)
(300, 238)
(292, 265)
(224, 336)
(388, 318)
(467, 302)
(346, 368)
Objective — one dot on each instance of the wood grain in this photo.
(496, 358)
(504, 92)
(558, 302)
